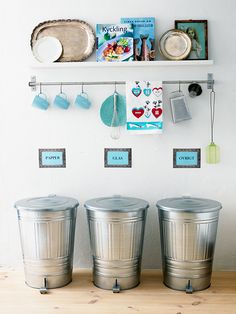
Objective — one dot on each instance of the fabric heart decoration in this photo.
(157, 91)
(147, 91)
(156, 112)
(138, 112)
(136, 91)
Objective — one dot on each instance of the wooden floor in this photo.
(150, 297)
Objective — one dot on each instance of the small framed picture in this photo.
(197, 31)
(186, 158)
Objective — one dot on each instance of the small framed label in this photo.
(118, 157)
(52, 158)
(187, 158)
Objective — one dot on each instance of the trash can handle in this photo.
(44, 289)
(189, 287)
(116, 288)
(186, 196)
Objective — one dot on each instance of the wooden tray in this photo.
(77, 38)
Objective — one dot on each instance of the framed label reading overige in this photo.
(52, 158)
(117, 158)
(186, 158)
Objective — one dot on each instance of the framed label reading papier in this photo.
(52, 158)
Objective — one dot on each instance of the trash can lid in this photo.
(116, 204)
(47, 203)
(189, 204)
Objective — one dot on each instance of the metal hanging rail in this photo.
(33, 83)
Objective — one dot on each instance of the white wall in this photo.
(24, 129)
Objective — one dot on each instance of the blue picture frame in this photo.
(117, 157)
(52, 158)
(186, 158)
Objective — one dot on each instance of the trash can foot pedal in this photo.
(189, 288)
(116, 287)
(44, 289)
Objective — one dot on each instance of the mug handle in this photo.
(83, 94)
(42, 95)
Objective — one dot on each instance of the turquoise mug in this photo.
(83, 101)
(40, 101)
(61, 101)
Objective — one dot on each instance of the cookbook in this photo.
(144, 37)
(114, 42)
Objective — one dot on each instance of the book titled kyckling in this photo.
(114, 42)
(144, 37)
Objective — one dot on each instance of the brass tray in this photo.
(77, 38)
(175, 45)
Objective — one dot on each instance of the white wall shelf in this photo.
(94, 64)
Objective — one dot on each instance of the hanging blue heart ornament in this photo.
(136, 91)
(147, 91)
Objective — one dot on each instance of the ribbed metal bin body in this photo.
(116, 234)
(188, 237)
(47, 240)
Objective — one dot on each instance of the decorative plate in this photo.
(77, 38)
(47, 49)
(175, 45)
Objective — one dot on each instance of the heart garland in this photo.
(139, 112)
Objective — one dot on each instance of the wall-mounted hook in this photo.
(32, 83)
(210, 81)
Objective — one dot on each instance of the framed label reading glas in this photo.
(117, 158)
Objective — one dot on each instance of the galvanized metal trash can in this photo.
(188, 228)
(116, 226)
(47, 228)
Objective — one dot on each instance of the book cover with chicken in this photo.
(114, 42)
(144, 37)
